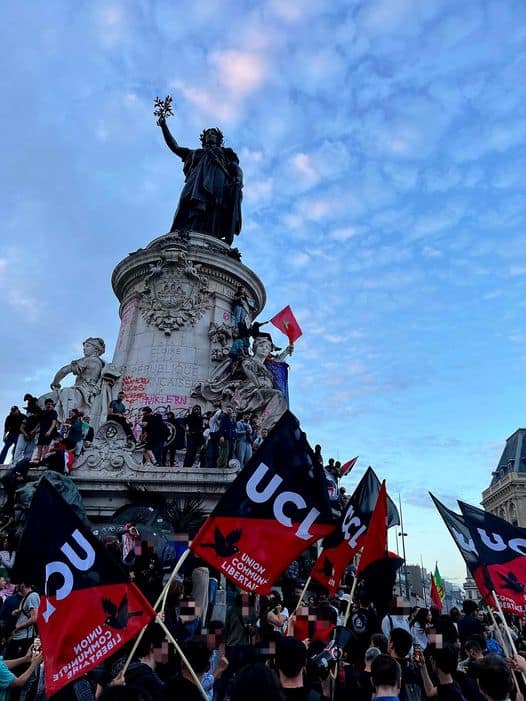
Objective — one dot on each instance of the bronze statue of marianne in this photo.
(210, 202)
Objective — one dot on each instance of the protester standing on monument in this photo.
(244, 440)
(212, 446)
(194, 435)
(225, 435)
(25, 444)
(239, 307)
(169, 450)
(154, 434)
(48, 428)
(12, 424)
(75, 431)
(87, 432)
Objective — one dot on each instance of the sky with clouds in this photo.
(383, 149)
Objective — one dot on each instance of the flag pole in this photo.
(161, 597)
(423, 580)
(303, 592)
(183, 657)
(499, 634)
(349, 602)
(501, 613)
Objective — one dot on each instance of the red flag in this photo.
(348, 466)
(286, 322)
(375, 542)
(436, 601)
(276, 507)
(377, 566)
(89, 608)
(340, 547)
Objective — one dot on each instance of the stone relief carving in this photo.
(175, 293)
(111, 451)
(247, 384)
(220, 336)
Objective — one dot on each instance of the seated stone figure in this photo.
(88, 380)
(247, 384)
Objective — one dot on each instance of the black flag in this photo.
(501, 550)
(277, 506)
(88, 609)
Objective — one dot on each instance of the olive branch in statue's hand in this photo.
(163, 108)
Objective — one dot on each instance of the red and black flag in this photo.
(277, 506)
(376, 571)
(340, 547)
(348, 466)
(88, 608)
(501, 550)
(461, 534)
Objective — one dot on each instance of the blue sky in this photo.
(383, 148)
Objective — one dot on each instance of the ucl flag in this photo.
(88, 609)
(341, 546)
(276, 507)
(501, 550)
(461, 534)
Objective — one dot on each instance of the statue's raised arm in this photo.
(210, 201)
(170, 141)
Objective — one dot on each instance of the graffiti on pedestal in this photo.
(126, 322)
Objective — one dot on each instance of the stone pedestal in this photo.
(176, 297)
(175, 306)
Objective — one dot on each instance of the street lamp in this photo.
(403, 535)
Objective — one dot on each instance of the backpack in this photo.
(411, 688)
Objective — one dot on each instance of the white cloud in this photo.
(241, 72)
(302, 164)
(343, 233)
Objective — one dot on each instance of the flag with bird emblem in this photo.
(460, 533)
(501, 557)
(276, 507)
(88, 608)
(341, 546)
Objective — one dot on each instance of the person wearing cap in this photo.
(12, 424)
(291, 658)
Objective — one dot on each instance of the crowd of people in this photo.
(278, 647)
(211, 439)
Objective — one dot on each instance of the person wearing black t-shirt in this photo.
(194, 435)
(183, 686)
(12, 425)
(48, 428)
(443, 662)
(155, 433)
(291, 658)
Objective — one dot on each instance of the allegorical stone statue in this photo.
(89, 382)
(210, 202)
(248, 386)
